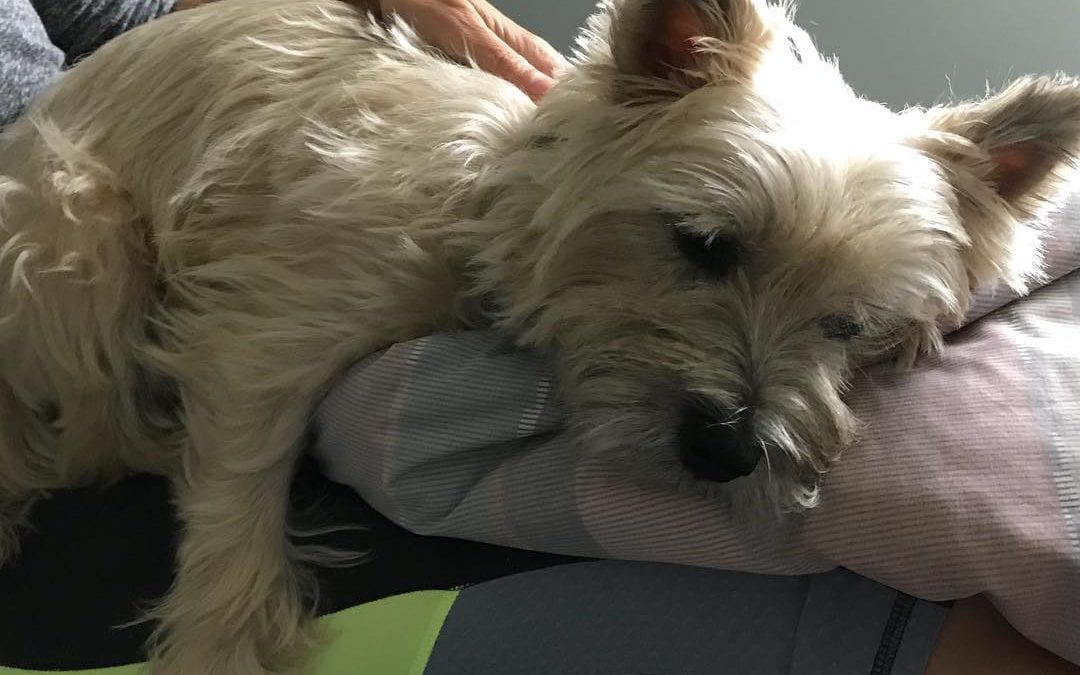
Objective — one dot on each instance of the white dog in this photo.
(205, 222)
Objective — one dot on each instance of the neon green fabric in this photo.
(392, 636)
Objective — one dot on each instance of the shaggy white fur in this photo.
(210, 218)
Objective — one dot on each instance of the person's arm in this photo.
(78, 27)
(28, 60)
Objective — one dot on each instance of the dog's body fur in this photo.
(210, 218)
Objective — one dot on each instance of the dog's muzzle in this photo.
(717, 447)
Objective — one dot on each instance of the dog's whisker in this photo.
(768, 462)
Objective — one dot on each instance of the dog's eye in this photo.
(715, 254)
(839, 327)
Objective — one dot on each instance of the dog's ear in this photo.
(1006, 157)
(685, 44)
(1020, 140)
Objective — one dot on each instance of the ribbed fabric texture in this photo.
(38, 38)
(78, 27)
(28, 60)
(966, 481)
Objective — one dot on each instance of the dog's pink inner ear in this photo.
(672, 51)
(1018, 167)
(688, 43)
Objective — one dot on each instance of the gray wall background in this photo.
(900, 51)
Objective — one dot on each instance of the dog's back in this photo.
(200, 98)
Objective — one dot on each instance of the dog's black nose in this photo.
(717, 447)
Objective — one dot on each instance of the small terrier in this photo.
(208, 220)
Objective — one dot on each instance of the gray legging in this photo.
(39, 37)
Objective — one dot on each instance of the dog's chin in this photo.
(781, 485)
(772, 492)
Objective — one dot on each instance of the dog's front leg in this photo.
(237, 605)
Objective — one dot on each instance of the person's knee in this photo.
(977, 640)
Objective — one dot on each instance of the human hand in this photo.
(473, 28)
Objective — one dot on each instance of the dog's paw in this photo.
(259, 627)
(234, 650)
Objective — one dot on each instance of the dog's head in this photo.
(721, 229)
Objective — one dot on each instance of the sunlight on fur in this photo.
(702, 226)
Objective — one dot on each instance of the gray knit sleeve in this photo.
(78, 27)
(28, 60)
